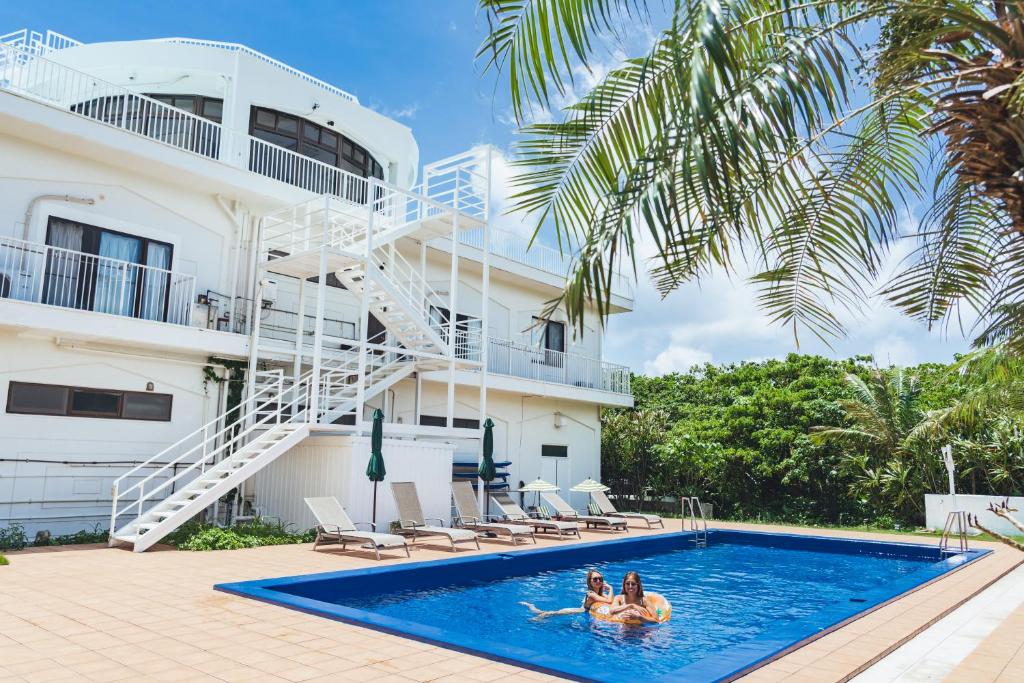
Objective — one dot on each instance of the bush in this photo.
(3, 561)
(254, 534)
(13, 537)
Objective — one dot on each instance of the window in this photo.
(28, 398)
(96, 269)
(314, 141)
(441, 421)
(549, 451)
(552, 340)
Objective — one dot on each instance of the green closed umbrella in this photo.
(375, 471)
(487, 472)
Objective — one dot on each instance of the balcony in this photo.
(42, 274)
(505, 357)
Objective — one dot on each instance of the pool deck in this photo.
(92, 613)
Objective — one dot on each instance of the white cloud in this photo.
(894, 350)
(676, 358)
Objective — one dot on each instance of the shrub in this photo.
(3, 561)
(13, 537)
(196, 536)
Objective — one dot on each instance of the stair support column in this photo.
(453, 303)
(364, 311)
(313, 409)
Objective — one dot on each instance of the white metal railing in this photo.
(407, 282)
(279, 163)
(38, 78)
(40, 273)
(186, 459)
(506, 357)
(36, 43)
(236, 47)
(550, 260)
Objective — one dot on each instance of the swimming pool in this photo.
(738, 602)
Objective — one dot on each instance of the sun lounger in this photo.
(470, 518)
(605, 507)
(565, 511)
(411, 517)
(333, 524)
(515, 514)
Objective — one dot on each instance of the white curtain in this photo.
(157, 283)
(117, 280)
(66, 271)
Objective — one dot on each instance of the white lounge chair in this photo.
(565, 511)
(411, 517)
(470, 518)
(605, 507)
(515, 514)
(334, 524)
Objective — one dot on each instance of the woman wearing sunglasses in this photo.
(597, 592)
(632, 604)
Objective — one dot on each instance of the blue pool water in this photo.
(735, 602)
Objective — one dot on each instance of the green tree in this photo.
(760, 133)
(891, 442)
(628, 455)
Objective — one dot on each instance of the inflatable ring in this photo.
(657, 604)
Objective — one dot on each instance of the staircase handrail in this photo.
(409, 284)
(207, 438)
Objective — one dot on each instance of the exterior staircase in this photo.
(177, 483)
(161, 494)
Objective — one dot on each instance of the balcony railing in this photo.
(39, 273)
(518, 249)
(505, 357)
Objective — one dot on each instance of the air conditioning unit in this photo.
(268, 294)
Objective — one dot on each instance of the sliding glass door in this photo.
(96, 269)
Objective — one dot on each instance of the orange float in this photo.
(655, 603)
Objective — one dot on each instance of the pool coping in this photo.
(727, 665)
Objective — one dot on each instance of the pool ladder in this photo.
(956, 524)
(698, 525)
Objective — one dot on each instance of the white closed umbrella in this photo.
(588, 485)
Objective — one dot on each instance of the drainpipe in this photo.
(52, 197)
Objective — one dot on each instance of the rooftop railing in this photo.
(43, 274)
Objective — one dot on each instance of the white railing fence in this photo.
(506, 357)
(548, 259)
(41, 79)
(39, 273)
(236, 47)
(272, 404)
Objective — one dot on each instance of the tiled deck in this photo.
(108, 615)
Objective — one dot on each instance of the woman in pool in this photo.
(597, 592)
(631, 603)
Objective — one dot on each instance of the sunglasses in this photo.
(631, 583)
(597, 578)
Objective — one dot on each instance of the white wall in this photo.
(61, 468)
(938, 506)
(522, 425)
(198, 229)
(336, 466)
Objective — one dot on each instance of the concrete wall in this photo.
(938, 506)
(336, 466)
(522, 425)
(56, 472)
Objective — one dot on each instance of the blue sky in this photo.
(414, 61)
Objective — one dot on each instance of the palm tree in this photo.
(760, 133)
(891, 441)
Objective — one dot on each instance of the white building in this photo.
(167, 208)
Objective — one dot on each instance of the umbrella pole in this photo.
(374, 506)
